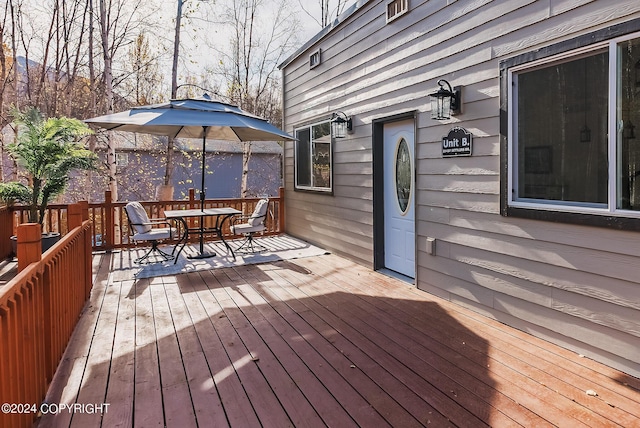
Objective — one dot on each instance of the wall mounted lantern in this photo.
(585, 134)
(340, 124)
(445, 102)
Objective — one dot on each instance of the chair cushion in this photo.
(247, 228)
(259, 213)
(154, 234)
(138, 217)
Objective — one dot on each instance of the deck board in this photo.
(316, 341)
(309, 371)
(148, 409)
(270, 354)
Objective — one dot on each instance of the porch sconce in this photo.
(585, 134)
(445, 102)
(340, 124)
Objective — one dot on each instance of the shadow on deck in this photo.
(316, 341)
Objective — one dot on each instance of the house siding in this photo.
(574, 285)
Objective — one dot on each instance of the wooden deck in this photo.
(317, 341)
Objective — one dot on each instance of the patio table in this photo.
(220, 214)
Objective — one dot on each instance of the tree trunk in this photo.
(246, 157)
(166, 191)
(93, 103)
(108, 89)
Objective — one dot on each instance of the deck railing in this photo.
(110, 227)
(39, 309)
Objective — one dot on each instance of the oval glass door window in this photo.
(403, 175)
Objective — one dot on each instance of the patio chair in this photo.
(141, 228)
(253, 224)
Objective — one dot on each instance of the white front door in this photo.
(399, 197)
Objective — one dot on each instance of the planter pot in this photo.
(48, 240)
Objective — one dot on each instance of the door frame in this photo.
(378, 182)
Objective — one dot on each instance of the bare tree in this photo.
(10, 81)
(7, 84)
(249, 64)
(117, 23)
(144, 80)
(165, 191)
(327, 13)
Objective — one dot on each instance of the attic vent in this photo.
(314, 59)
(396, 8)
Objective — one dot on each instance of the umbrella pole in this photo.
(202, 254)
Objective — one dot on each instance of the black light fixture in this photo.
(585, 134)
(637, 70)
(445, 102)
(340, 124)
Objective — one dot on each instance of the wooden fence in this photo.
(39, 309)
(110, 228)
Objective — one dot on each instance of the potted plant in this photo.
(46, 150)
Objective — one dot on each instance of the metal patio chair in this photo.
(253, 224)
(141, 228)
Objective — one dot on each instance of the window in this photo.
(396, 8)
(122, 159)
(571, 145)
(314, 59)
(313, 157)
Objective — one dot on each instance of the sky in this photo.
(199, 55)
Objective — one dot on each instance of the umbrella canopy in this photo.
(193, 118)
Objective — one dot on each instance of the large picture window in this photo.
(571, 144)
(313, 157)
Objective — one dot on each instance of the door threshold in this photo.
(397, 275)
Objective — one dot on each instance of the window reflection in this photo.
(403, 175)
(562, 131)
(628, 112)
(313, 157)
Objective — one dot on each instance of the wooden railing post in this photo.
(88, 279)
(85, 209)
(74, 213)
(192, 198)
(78, 213)
(29, 244)
(281, 210)
(108, 234)
(192, 205)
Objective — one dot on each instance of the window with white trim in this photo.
(571, 142)
(122, 159)
(313, 157)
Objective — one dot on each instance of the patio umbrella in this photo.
(193, 118)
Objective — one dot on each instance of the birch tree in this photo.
(117, 24)
(261, 34)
